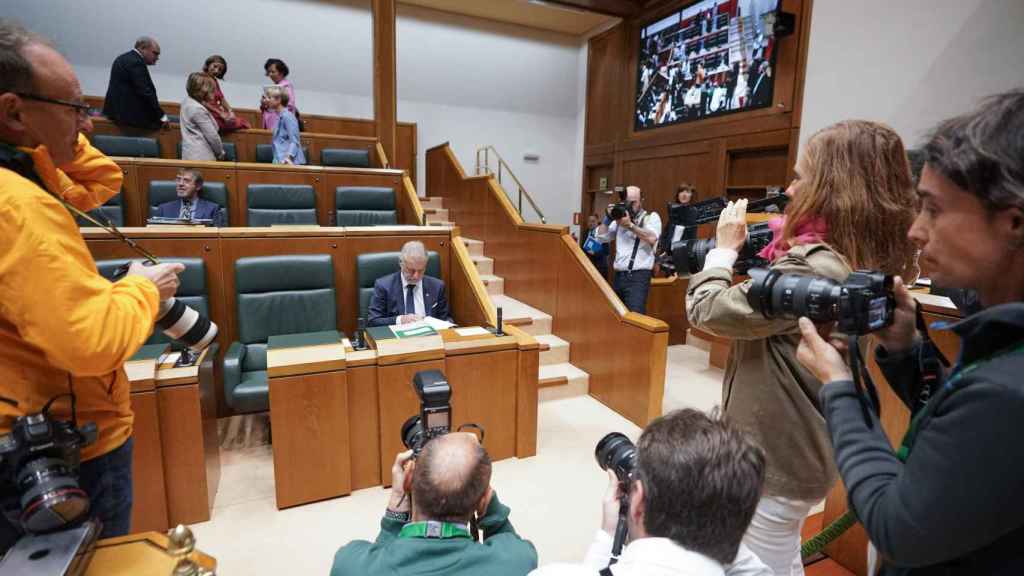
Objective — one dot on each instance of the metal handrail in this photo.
(485, 168)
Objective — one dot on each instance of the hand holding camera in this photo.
(165, 276)
(825, 359)
(401, 469)
(732, 226)
(899, 337)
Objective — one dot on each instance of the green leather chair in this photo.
(365, 206)
(191, 291)
(345, 158)
(280, 204)
(161, 191)
(370, 267)
(275, 295)
(131, 146)
(230, 152)
(265, 153)
(112, 210)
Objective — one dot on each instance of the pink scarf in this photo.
(809, 232)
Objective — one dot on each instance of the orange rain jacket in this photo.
(64, 327)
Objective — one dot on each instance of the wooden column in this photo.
(385, 89)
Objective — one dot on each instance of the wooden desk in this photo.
(483, 371)
(309, 413)
(149, 493)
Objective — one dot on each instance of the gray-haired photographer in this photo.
(946, 502)
(683, 496)
(65, 331)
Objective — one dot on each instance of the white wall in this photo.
(909, 63)
(464, 80)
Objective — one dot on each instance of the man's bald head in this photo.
(149, 48)
(632, 193)
(451, 477)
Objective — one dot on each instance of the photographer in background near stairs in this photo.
(636, 237)
(63, 327)
(426, 527)
(947, 502)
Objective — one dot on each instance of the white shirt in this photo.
(624, 244)
(655, 557)
(417, 297)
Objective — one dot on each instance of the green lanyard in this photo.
(432, 529)
(950, 386)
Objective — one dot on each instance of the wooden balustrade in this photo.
(544, 267)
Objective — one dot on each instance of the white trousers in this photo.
(774, 534)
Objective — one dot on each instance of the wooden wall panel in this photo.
(184, 466)
(149, 508)
(395, 385)
(605, 76)
(658, 177)
(667, 302)
(485, 385)
(364, 426)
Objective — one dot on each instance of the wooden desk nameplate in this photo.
(305, 359)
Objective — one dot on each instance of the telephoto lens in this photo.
(862, 304)
(617, 452)
(183, 323)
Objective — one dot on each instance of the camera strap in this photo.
(862, 381)
(930, 363)
(636, 244)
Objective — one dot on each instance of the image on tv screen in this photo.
(710, 58)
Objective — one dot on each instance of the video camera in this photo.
(687, 254)
(863, 303)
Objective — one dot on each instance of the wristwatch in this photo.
(402, 517)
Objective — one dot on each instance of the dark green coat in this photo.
(502, 553)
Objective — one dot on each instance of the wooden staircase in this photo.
(557, 377)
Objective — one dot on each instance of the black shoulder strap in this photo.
(636, 244)
(606, 571)
(19, 162)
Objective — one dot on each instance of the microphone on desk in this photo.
(360, 337)
(498, 327)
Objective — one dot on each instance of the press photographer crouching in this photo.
(636, 235)
(684, 496)
(441, 495)
(851, 205)
(946, 501)
(65, 331)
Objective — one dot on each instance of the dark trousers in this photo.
(632, 288)
(107, 480)
(601, 263)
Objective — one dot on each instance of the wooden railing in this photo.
(624, 352)
(405, 147)
(237, 176)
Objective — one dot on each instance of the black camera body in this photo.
(690, 254)
(435, 417)
(863, 303)
(39, 462)
(619, 209)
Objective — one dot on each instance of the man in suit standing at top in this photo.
(408, 295)
(131, 100)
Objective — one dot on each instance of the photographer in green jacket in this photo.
(431, 533)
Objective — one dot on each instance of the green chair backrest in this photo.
(280, 204)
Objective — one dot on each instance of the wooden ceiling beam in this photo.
(618, 8)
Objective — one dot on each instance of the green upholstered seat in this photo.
(192, 290)
(345, 157)
(132, 146)
(230, 152)
(280, 204)
(265, 153)
(161, 191)
(370, 267)
(275, 295)
(365, 206)
(112, 210)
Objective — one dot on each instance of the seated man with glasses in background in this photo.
(189, 206)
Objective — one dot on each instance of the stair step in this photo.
(529, 319)
(437, 213)
(562, 381)
(443, 223)
(475, 247)
(495, 284)
(440, 219)
(553, 350)
(435, 202)
(484, 265)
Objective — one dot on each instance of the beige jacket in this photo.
(766, 391)
(199, 137)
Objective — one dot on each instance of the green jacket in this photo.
(766, 391)
(502, 553)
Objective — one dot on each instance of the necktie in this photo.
(186, 210)
(410, 301)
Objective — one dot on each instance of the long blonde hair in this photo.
(859, 183)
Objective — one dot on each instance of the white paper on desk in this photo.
(922, 281)
(471, 331)
(435, 323)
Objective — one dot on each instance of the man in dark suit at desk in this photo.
(408, 295)
(189, 206)
(131, 100)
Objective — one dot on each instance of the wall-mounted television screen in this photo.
(711, 57)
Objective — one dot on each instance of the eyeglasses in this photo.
(84, 110)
